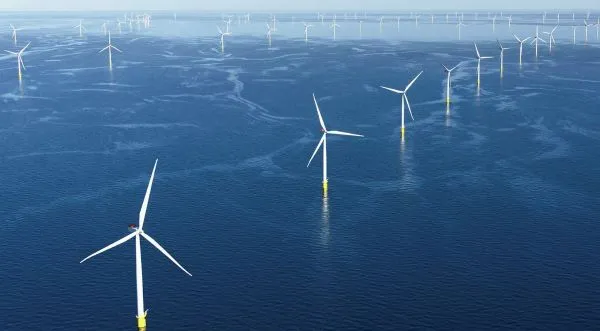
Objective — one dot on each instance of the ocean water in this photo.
(483, 218)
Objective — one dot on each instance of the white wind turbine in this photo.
(227, 24)
(334, 25)
(574, 33)
(551, 39)
(459, 25)
(274, 22)
(139, 231)
(494, 24)
(502, 49)
(306, 26)
(109, 47)
(269, 32)
(20, 63)
(381, 24)
(417, 20)
(404, 100)
(398, 23)
(360, 29)
(587, 25)
(521, 42)
(448, 71)
(81, 28)
(222, 36)
(323, 142)
(119, 26)
(14, 33)
(536, 39)
(479, 58)
(509, 21)
(104, 28)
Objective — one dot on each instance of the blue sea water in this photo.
(483, 218)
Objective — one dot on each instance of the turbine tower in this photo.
(521, 42)
(20, 63)
(479, 58)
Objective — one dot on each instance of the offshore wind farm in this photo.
(477, 211)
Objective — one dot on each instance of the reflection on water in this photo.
(447, 121)
(325, 220)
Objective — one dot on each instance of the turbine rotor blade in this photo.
(391, 89)
(146, 198)
(162, 250)
(115, 244)
(342, 133)
(412, 82)
(408, 104)
(116, 49)
(316, 149)
(319, 113)
(477, 50)
(105, 48)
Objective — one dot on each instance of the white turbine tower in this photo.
(521, 42)
(323, 142)
(20, 63)
(502, 49)
(459, 25)
(222, 36)
(449, 72)
(381, 24)
(104, 28)
(81, 28)
(360, 29)
(334, 25)
(109, 48)
(536, 39)
(269, 32)
(139, 231)
(306, 26)
(479, 58)
(509, 21)
(404, 100)
(494, 24)
(551, 39)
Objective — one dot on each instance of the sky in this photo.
(305, 5)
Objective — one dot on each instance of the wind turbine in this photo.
(551, 39)
(586, 29)
(223, 34)
(458, 25)
(398, 23)
(20, 63)
(417, 20)
(306, 26)
(274, 22)
(334, 25)
(14, 33)
(404, 100)
(139, 231)
(521, 42)
(323, 142)
(535, 40)
(448, 71)
(381, 24)
(119, 25)
(81, 28)
(574, 32)
(104, 29)
(509, 21)
(360, 28)
(479, 58)
(269, 31)
(494, 24)
(227, 24)
(502, 49)
(109, 47)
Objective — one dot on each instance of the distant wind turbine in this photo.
(551, 39)
(521, 42)
(20, 63)
(323, 142)
(404, 100)
(222, 36)
(587, 25)
(137, 232)
(479, 58)
(536, 40)
(381, 24)
(269, 32)
(448, 71)
(109, 47)
(81, 28)
(502, 49)
(14, 33)
(459, 25)
(306, 26)
(334, 25)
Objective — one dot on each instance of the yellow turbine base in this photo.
(141, 323)
(448, 100)
(325, 186)
(402, 132)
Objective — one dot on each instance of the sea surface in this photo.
(485, 217)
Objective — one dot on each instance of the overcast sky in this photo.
(306, 5)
